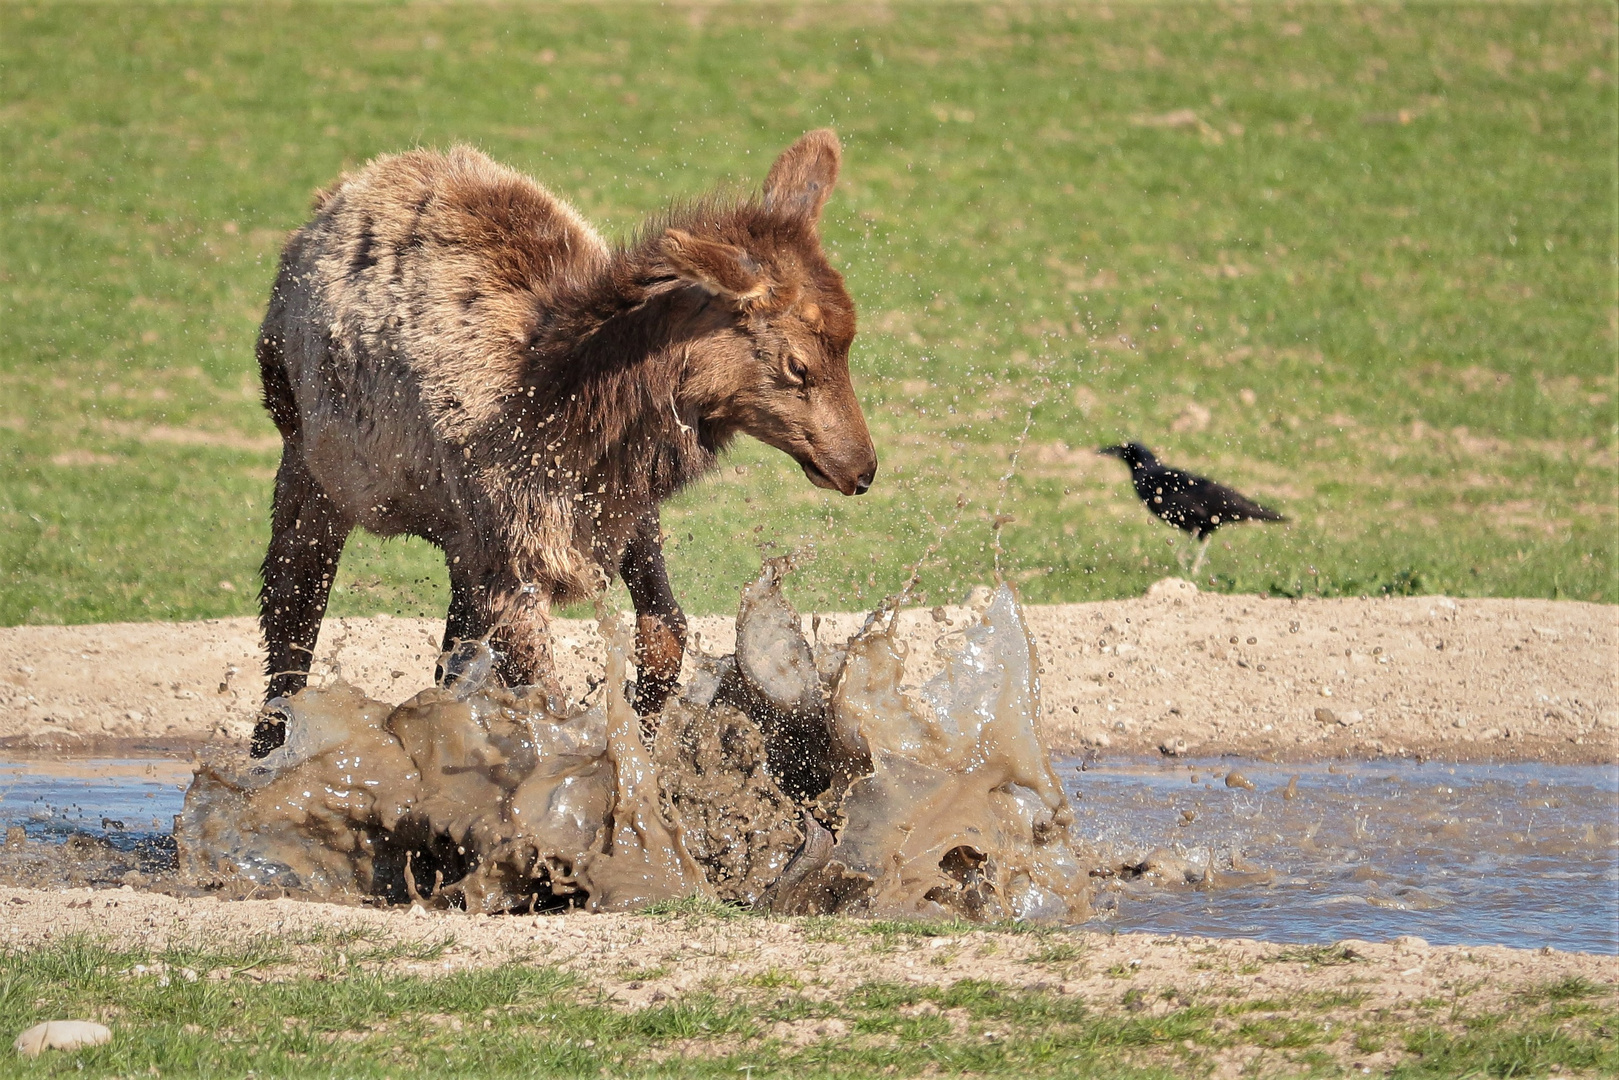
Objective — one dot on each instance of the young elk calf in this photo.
(451, 352)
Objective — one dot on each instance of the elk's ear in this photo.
(801, 179)
(722, 269)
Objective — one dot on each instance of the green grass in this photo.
(1358, 259)
(372, 1020)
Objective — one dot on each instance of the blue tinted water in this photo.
(1524, 855)
(119, 799)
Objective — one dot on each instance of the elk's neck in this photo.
(602, 402)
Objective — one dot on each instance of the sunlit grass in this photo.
(1356, 260)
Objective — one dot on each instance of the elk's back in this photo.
(402, 315)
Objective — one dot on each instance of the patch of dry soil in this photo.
(1199, 672)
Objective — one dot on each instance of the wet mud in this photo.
(791, 776)
(84, 859)
(71, 823)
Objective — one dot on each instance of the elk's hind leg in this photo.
(660, 625)
(513, 616)
(307, 534)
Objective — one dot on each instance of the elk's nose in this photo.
(863, 485)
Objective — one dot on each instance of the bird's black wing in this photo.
(1172, 495)
(1235, 506)
(1200, 505)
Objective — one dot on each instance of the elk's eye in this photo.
(796, 371)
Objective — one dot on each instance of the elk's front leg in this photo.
(307, 533)
(660, 626)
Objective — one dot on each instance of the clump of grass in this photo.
(336, 937)
(1498, 1047)
(1059, 952)
(1571, 988)
(931, 928)
(698, 907)
(1314, 955)
(419, 951)
(631, 973)
(235, 955)
(773, 978)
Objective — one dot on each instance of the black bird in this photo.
(1194, 504)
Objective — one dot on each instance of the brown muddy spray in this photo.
(787, 777)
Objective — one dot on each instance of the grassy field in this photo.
(241, 1011)
(1356, 259)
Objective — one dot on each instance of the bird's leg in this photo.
(1182, 554)
(1202, 550)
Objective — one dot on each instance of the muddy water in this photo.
(784, 777)
(1522, 854)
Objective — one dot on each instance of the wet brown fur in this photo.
(451, 352)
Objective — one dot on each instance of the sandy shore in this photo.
(1201, 673)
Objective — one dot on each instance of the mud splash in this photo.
(789, 777)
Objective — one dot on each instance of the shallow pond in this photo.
(1524, 855)
(95, 821)
(1521, 855)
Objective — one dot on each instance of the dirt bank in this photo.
(1203, 673)
(666, 955)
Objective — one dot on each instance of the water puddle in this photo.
(1524, 855)
(1520, 854)
(805, 778)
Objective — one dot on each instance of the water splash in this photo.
(788, 776)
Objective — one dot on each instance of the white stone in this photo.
(61, 1035)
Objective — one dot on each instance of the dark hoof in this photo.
(468, 667)
(268, 735)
